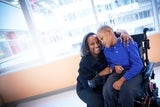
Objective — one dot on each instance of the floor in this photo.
(66, 99)
(69, 98)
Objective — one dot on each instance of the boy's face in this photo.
(105, 38)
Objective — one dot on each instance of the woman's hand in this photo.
(124, 36)
(119, 69)
(105, 71)
(117, 84)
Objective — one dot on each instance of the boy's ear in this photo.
(111, 33)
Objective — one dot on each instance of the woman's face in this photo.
(94, 45)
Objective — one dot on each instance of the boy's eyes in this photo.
(101, 39)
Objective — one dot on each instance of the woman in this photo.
(93, 63)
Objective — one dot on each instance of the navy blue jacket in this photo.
(88, 68)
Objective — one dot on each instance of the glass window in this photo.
(158, 2)
(131, 15)
(59, 26)
(17, 48)
(62, 28)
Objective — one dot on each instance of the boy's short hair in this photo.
(103, 29)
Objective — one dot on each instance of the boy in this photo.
(123, 85)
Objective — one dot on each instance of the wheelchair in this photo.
(148, 95)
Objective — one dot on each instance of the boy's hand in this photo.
(119, 69)
(117, 84)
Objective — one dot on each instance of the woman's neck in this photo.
(96, 57)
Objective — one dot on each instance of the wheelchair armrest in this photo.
(148, 72)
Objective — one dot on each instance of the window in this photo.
(158, 2)
(63, 27)
(59, 26)
(17, 48)
(126, 14)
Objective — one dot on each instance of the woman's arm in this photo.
(106, 71)
(124, 36)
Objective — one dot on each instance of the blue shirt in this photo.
(126, 56)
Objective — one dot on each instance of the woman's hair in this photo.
(84, 46)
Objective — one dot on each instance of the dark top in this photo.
(88, 68)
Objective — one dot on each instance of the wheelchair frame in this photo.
(149, 94)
